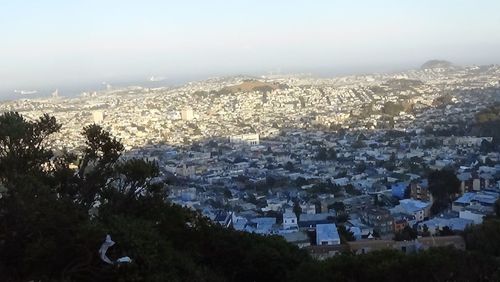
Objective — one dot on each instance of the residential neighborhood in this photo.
(300, 157)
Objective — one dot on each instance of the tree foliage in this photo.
(443, 185)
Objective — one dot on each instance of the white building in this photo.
(290, 221)
(249, 139)
(97, 116)
(187, 114)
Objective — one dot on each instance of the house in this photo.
(483, 198)
(419, 209)
(364, 229)
(465, 179)
(401, 220)
(327, 234)
(308, 208)
(341, 181)
(437, 223)
(290, 222)
(420, 190)
(380, 219)
(309, 221)
(224, 218)
(399, 225)
(259, 225)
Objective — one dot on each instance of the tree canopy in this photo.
(443, 185)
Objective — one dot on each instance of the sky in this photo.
(79, 42)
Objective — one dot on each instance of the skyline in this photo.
(57, 44)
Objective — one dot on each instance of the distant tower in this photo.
(187, 114)
(55, 94)
(97, 116)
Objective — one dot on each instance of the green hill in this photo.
(434, 64)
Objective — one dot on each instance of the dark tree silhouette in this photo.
(443, 185)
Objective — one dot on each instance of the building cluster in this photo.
(316, 161)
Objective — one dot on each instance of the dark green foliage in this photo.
(339, 207)
(446, 231)
(443, 185)
(301, 181)
(289, 166)
(407, 234)
(487, 124)
(484, 237)
(437, 264)
(342, 218)
(392, 109)
(345, 235)
(349, 189)
(297, 210)
(46, 232)
(325, 154)
(497, 207)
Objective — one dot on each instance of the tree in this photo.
(300, 181)
(486, 146)
(96, 166)
(297, 210)
(358, 144)
(342, 218)
(391, 108)
(345, 235)
(339, 207)
(425, 231)
(443, 185)
(361, 167)
(289, 166)
(407, 234)
(497, 207)
(270, 181)
(22, 146)
(349, 189)
(227, 194)
(484, 237)
(446, 231)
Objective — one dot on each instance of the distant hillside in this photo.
(488, 123)
(403, 84)
(251, 85)
(435, 64)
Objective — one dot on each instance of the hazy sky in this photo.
(47, 43)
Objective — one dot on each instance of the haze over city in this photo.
(76, 45)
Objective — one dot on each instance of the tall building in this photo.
(97, 116)
(187, 114)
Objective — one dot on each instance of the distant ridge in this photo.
(252, 85)
(436, 64)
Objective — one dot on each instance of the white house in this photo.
(290, 221)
